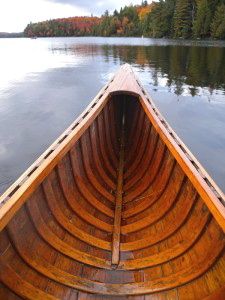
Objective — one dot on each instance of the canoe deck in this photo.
(116, 208)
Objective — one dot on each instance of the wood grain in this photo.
(116, 208)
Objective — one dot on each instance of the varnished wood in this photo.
(118, 200)
(116, 208)
(218, 295)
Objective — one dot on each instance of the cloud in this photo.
(97, 6)
(24, 11)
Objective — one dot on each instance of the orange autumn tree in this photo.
(74, 26)
(144, 10)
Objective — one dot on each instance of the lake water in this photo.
(46, 83)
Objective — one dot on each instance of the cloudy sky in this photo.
(16, 14)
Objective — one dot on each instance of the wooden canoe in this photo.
(116, 208)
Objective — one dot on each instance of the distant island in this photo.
(11, 34)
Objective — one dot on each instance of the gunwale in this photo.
(124, 82)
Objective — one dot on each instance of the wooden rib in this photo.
(131, 131)
(142, 204)
(160, 236)
(119, 199)
(102, 153)
(74, 219)
(159, 209)
(145, 165)
(183, 245)
(171, 225)
(92, 175)
(136, 138)
(68, 226)
(112, 128)
(156, 184)
(20, 286)
(150, 198)
(83, 188)
(90, 179)
(87, 200)
(99, 163)
(48, 236)
(76, 205)
(108, 161)
(143, 149)
(109, 143)
(141, 185)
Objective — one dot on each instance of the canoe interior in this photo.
(116, 217)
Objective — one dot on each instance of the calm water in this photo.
(46, 83)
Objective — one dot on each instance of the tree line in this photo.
(166, 18)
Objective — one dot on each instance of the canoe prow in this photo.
(116, 207)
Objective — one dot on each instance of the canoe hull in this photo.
(109, 221)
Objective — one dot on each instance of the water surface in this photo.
(46, 83)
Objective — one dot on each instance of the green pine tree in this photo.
(202, 22)
(183, 19)
(158, 23)
(218, 23)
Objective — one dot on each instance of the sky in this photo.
(16, 14)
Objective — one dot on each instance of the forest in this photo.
(200, 19)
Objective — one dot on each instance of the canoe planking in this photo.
(116, 207)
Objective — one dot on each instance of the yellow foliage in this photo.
(144, 10)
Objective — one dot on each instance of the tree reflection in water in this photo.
(195, 67)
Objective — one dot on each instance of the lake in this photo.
(46, 83)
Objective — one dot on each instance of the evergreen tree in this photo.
(115, 13)
(183, 18)
(201, 26)
(159, 21)
(106, 13)
(145, 3)
(155, 21)
(218, 24)
(169, 8)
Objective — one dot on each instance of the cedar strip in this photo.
(119, 199)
